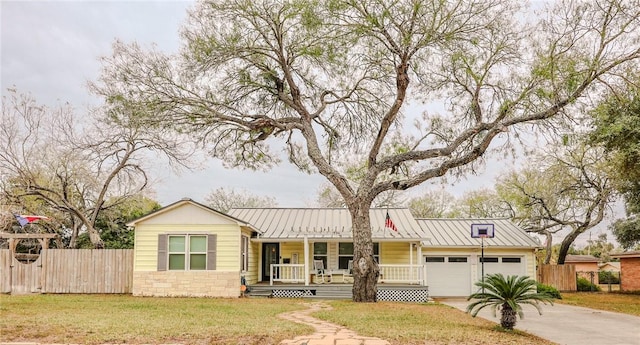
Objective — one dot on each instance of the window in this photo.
(435, 259)
(376, 252)
(184, 252)
(320, 252)
(188, 251)
(511, 260)
(488, 259)
(457, 259)
(244, 248)
(345, 253)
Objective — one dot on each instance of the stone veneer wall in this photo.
(186, 284)
(630, 268)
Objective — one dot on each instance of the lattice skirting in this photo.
(292, 293)
(418, 296)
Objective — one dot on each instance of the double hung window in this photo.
(320, 252)
(188, 252)
(345, 253)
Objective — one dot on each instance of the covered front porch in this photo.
(330, 262)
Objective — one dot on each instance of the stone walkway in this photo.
(327, 333)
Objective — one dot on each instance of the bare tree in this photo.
(333, 79)
(434, 204)
(568, 189)
(223, 200)
(72, 169)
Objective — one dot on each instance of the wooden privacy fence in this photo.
(68, 271)
(562, 277)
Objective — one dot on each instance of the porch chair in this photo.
(318, 267)
(349, 273)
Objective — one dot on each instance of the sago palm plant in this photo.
(507, 295)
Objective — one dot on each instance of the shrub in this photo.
(607, 277)
(585, 285)
(549, 290)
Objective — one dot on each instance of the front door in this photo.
(270, 255)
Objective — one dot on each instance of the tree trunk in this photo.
(509, 317)
(365, 269)
(566, 244)
(549, 247)
(95, 238)
(75, 230)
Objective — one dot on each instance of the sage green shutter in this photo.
(212, 242)
(162, 252)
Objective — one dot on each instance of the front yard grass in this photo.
(616, 302)
(96, 319)
(424, 324)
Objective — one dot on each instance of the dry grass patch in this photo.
(616, 302)
(94, 319)
(413, 324)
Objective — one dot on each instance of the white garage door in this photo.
(507, 265)
(448, 275)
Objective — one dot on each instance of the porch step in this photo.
(327, 291)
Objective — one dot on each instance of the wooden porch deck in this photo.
(386, 292)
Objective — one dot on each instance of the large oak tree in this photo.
(330, 80)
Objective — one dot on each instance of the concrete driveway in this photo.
(568, 325)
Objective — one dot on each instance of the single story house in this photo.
(629, 270)
(189, 249)
(586, 265)
(583, 263)
(610, 266)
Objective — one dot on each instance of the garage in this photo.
(507, 265)
(448, 275)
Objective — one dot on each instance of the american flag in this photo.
(388, 223)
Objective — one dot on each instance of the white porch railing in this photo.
(286, 273)
(405, 274)
(401, 274)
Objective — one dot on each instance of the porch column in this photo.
(411, 261)
(421, 263)
(306, 260)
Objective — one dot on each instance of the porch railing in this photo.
(405, 274)
(402, 274)
(286, 273)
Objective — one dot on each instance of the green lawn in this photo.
(424, 324)
(93, 319)
(617, 302)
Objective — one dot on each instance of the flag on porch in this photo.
(388, 223)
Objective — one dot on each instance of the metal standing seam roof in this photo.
(457, 233)
(327, 223)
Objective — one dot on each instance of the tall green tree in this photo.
(617, 127)
(332, 81)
